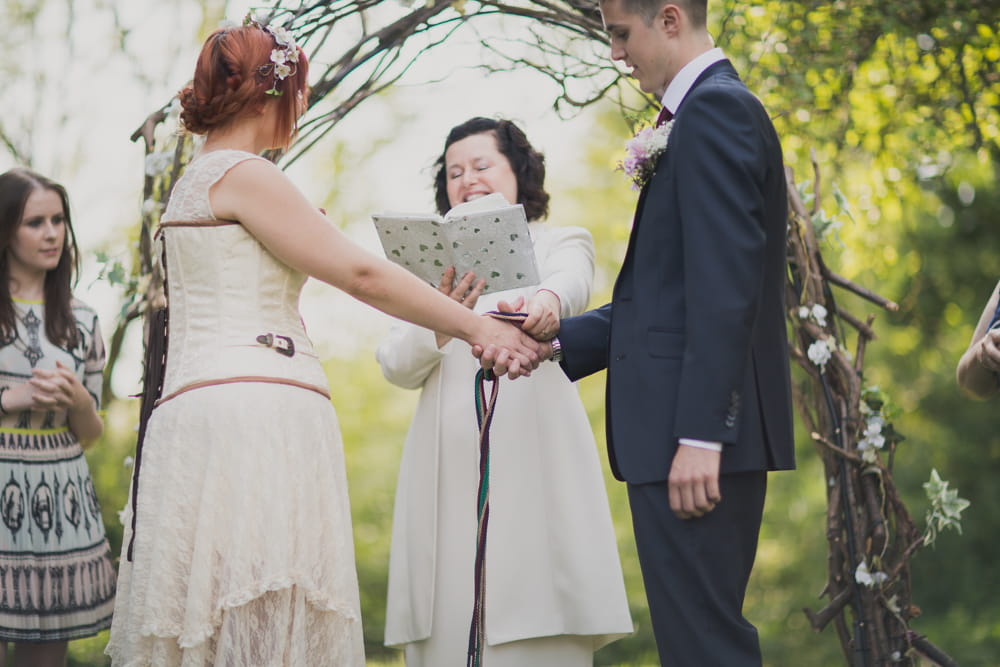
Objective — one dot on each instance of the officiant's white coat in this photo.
(552, 565)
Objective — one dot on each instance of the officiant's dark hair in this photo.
(527, 164)
(16, 185)
(697, 10)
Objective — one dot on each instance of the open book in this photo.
(487, 236)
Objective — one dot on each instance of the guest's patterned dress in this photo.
(56, 577)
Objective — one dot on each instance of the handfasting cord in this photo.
(484, 416)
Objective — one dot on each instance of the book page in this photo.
(486, 236)
(495, 245)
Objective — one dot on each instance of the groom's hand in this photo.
(694, 481)
(542, 322)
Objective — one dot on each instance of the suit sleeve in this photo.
(719, 188)
(585, 339)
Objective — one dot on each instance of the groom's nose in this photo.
(617, 50)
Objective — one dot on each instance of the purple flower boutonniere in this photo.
(642, 151)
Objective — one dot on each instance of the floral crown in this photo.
(284, 58)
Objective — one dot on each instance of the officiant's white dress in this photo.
(554, 586)
(243, 549)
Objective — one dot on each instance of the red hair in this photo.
(229, 82)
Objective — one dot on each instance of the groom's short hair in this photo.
(696, 10)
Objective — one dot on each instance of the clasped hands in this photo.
(988, 352)
(55, 389)
(507, 348)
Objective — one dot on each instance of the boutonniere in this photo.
(642, 151)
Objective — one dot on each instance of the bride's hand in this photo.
(503, 348)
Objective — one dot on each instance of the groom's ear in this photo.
(669, 19)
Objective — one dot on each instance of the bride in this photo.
(239, 525)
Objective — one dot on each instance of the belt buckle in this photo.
(280, 344)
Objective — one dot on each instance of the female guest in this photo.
(56, 578)
(238, 541)
(554, 588)
(979, 368)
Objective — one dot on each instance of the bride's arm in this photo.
(269, 206)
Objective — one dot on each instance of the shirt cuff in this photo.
(702, 444)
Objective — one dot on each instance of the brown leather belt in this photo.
(242, 378)
(208, 222)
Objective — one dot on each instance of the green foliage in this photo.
(898, 102)
(945, 510)
(374, 416)
(901, 104)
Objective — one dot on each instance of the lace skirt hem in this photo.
(291, 626)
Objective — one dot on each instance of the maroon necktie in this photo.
(665, 115)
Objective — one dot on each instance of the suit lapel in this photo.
(720, 68)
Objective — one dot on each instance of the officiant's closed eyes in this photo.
(554, 589)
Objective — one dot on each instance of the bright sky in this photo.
(95, 97)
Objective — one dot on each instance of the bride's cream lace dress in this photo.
(243, 554)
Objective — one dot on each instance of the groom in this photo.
(698, 390)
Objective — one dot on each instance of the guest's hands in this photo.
(466, 291)
(694, 481)
(988, 352)
(48, 389)
(57, 389)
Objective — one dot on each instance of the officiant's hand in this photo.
(466, 291)
(694, 481)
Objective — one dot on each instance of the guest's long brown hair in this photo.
(16, 186)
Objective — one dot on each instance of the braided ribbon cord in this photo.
(484, 416)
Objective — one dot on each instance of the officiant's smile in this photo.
(476, 168)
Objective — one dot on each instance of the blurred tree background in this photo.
(900, 101)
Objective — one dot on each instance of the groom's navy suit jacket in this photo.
(694, 338)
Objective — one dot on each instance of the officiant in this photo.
(554, 586)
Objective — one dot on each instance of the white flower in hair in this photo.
(282, 36)
(287, 52)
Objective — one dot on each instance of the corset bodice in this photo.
(233, 305)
